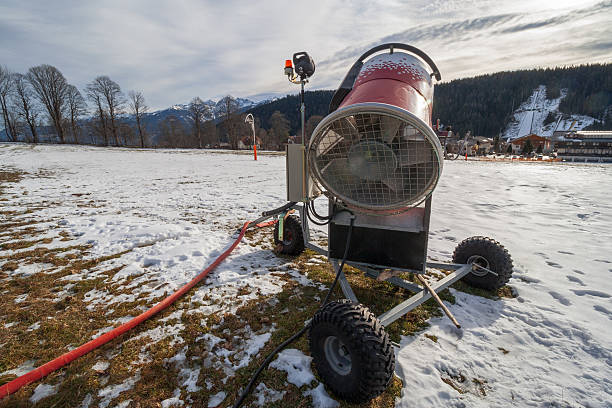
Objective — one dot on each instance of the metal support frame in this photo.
(422, 294)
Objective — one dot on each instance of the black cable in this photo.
(279, 209)
(301, 332)
(312, 219)
(344, 257)
(314, 211)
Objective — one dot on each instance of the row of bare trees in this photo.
(41, 106)
(26, 100)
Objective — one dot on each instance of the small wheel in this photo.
(486, 255)
(293, 239)
(351, 350)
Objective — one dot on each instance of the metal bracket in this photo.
(394, 280)
(422, 296)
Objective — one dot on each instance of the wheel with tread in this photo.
(352, 352)
(293, 238)
(488, 253)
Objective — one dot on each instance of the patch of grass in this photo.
(453, 385)
(9, 266)
(64, 322)
(503, 292)
(432, 337)
(24, 244)
(12, 176)
(480, 386)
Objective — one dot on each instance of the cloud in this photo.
(573, 16)
(174, 51)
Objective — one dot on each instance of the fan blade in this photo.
(338, 131)
(395, 182)
(335, 166)
(346, 128)
(414, 153)
(328, 142)
(389, 127)
(410, 133)
(337, 175)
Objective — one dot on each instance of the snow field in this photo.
(176, 211)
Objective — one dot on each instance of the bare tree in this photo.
(108, 93)
(209, 129)
(6, 85)
(231, 119)
(76, 108)
(138, 107)
(172, 133)
(51, 88)
(279, 130)
(23, 98)
(99, 126)
(199, 112)
(129, 136)
(262, 135)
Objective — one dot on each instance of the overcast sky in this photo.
(176, 50)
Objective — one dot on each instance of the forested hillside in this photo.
(484, 104)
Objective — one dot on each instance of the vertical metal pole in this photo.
(250, 119)
(303, 113)
(303, 116)
(254, 141)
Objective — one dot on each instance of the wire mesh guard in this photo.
(374, 161)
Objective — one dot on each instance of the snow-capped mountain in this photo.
(541, 116)
(181, 110)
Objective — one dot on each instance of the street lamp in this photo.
(249, 119)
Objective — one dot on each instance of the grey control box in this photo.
(297, 183)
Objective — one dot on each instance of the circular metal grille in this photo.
(375, 159)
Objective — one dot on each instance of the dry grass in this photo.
(64, 321)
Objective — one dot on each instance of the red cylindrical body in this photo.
(397, 79)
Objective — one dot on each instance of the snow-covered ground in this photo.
(550, 346)
(529, 117)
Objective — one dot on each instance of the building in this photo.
(538, 142)
(247, 143)
(482, 145)
(585, 146)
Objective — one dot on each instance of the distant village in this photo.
(567, 145)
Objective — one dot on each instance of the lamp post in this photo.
(249, 119)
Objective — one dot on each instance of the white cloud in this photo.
(176, 50)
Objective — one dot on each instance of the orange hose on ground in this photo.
(53, 365)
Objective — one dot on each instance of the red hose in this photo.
(40, 372)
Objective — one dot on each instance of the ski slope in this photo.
(177, 210)
(529, 117)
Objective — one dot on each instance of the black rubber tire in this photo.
(371, 353)
(494, 253)
(293, 238)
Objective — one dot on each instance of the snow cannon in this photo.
(376, 151)
(377, 156)
(377, 160)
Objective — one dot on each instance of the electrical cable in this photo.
(301, 332)
(309, 207)
(312, 219)
(314, 211)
